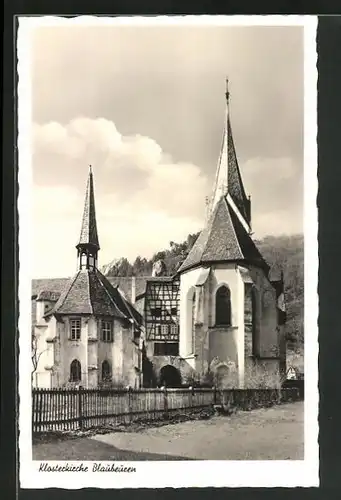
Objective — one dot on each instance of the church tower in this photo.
(93, 331)
(88, 245)
(228, 181)
(228, 311)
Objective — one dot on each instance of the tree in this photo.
(35, 353)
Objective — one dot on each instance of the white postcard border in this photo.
(173, 474)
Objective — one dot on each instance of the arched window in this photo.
(75, 371)
(223, 306)
(254, 319)
(106, 371)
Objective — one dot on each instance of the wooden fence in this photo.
(72, 409)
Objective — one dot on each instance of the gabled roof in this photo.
(223, 239)
(55, 285)
(89, 235)
(89, 292)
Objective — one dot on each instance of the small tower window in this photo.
(106, 331)
(75, 371)
(75, 329)
(223, 306)
(106, 371)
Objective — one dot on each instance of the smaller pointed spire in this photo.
(88, 245)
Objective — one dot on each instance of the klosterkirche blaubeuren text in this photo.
(220, 315)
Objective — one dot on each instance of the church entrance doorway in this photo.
(170, 376)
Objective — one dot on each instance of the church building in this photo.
(220, 317)
(84, 331)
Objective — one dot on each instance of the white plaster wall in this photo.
(268, 336)
(187, 281)
(123, 354)
(210, 341)
(229, 341)
(131, 354)
(93, 374)
(42, 379)
(111, 351)
(45, 350)
(223, 344)
(73, 349)
(241, 327)
(40, 310)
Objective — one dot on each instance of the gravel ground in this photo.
(275, 433)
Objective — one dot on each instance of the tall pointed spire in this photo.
(88, 245)
(228, 179)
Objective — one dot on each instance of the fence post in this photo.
(130, 409)
(191, 394)
(165, 402)
(80, 407)
(40, 412)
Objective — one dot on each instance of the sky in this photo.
(145, 107)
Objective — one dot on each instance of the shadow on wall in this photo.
(149, 378)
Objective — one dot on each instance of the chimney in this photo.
(133, 290)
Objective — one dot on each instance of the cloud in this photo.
(276, 194)
(168, 83)
(145, 106)
(137, 214)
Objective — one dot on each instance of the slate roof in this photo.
(223, 239)
(45, 286)
(228, 179)
(235, 184)
(89, 235)
(56, 285)
(90, 292)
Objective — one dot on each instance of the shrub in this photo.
(256, 376)
(259, 377)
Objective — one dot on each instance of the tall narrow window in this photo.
(106, 371)
(106, 331)
(174, 331)
(165, 329)
(223, 306)
(75, 329)
(75, 371)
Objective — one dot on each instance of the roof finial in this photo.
(90, 169)
(227, 93)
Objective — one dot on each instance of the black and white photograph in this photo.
(167, 216)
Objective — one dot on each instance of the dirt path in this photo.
(266, 434)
